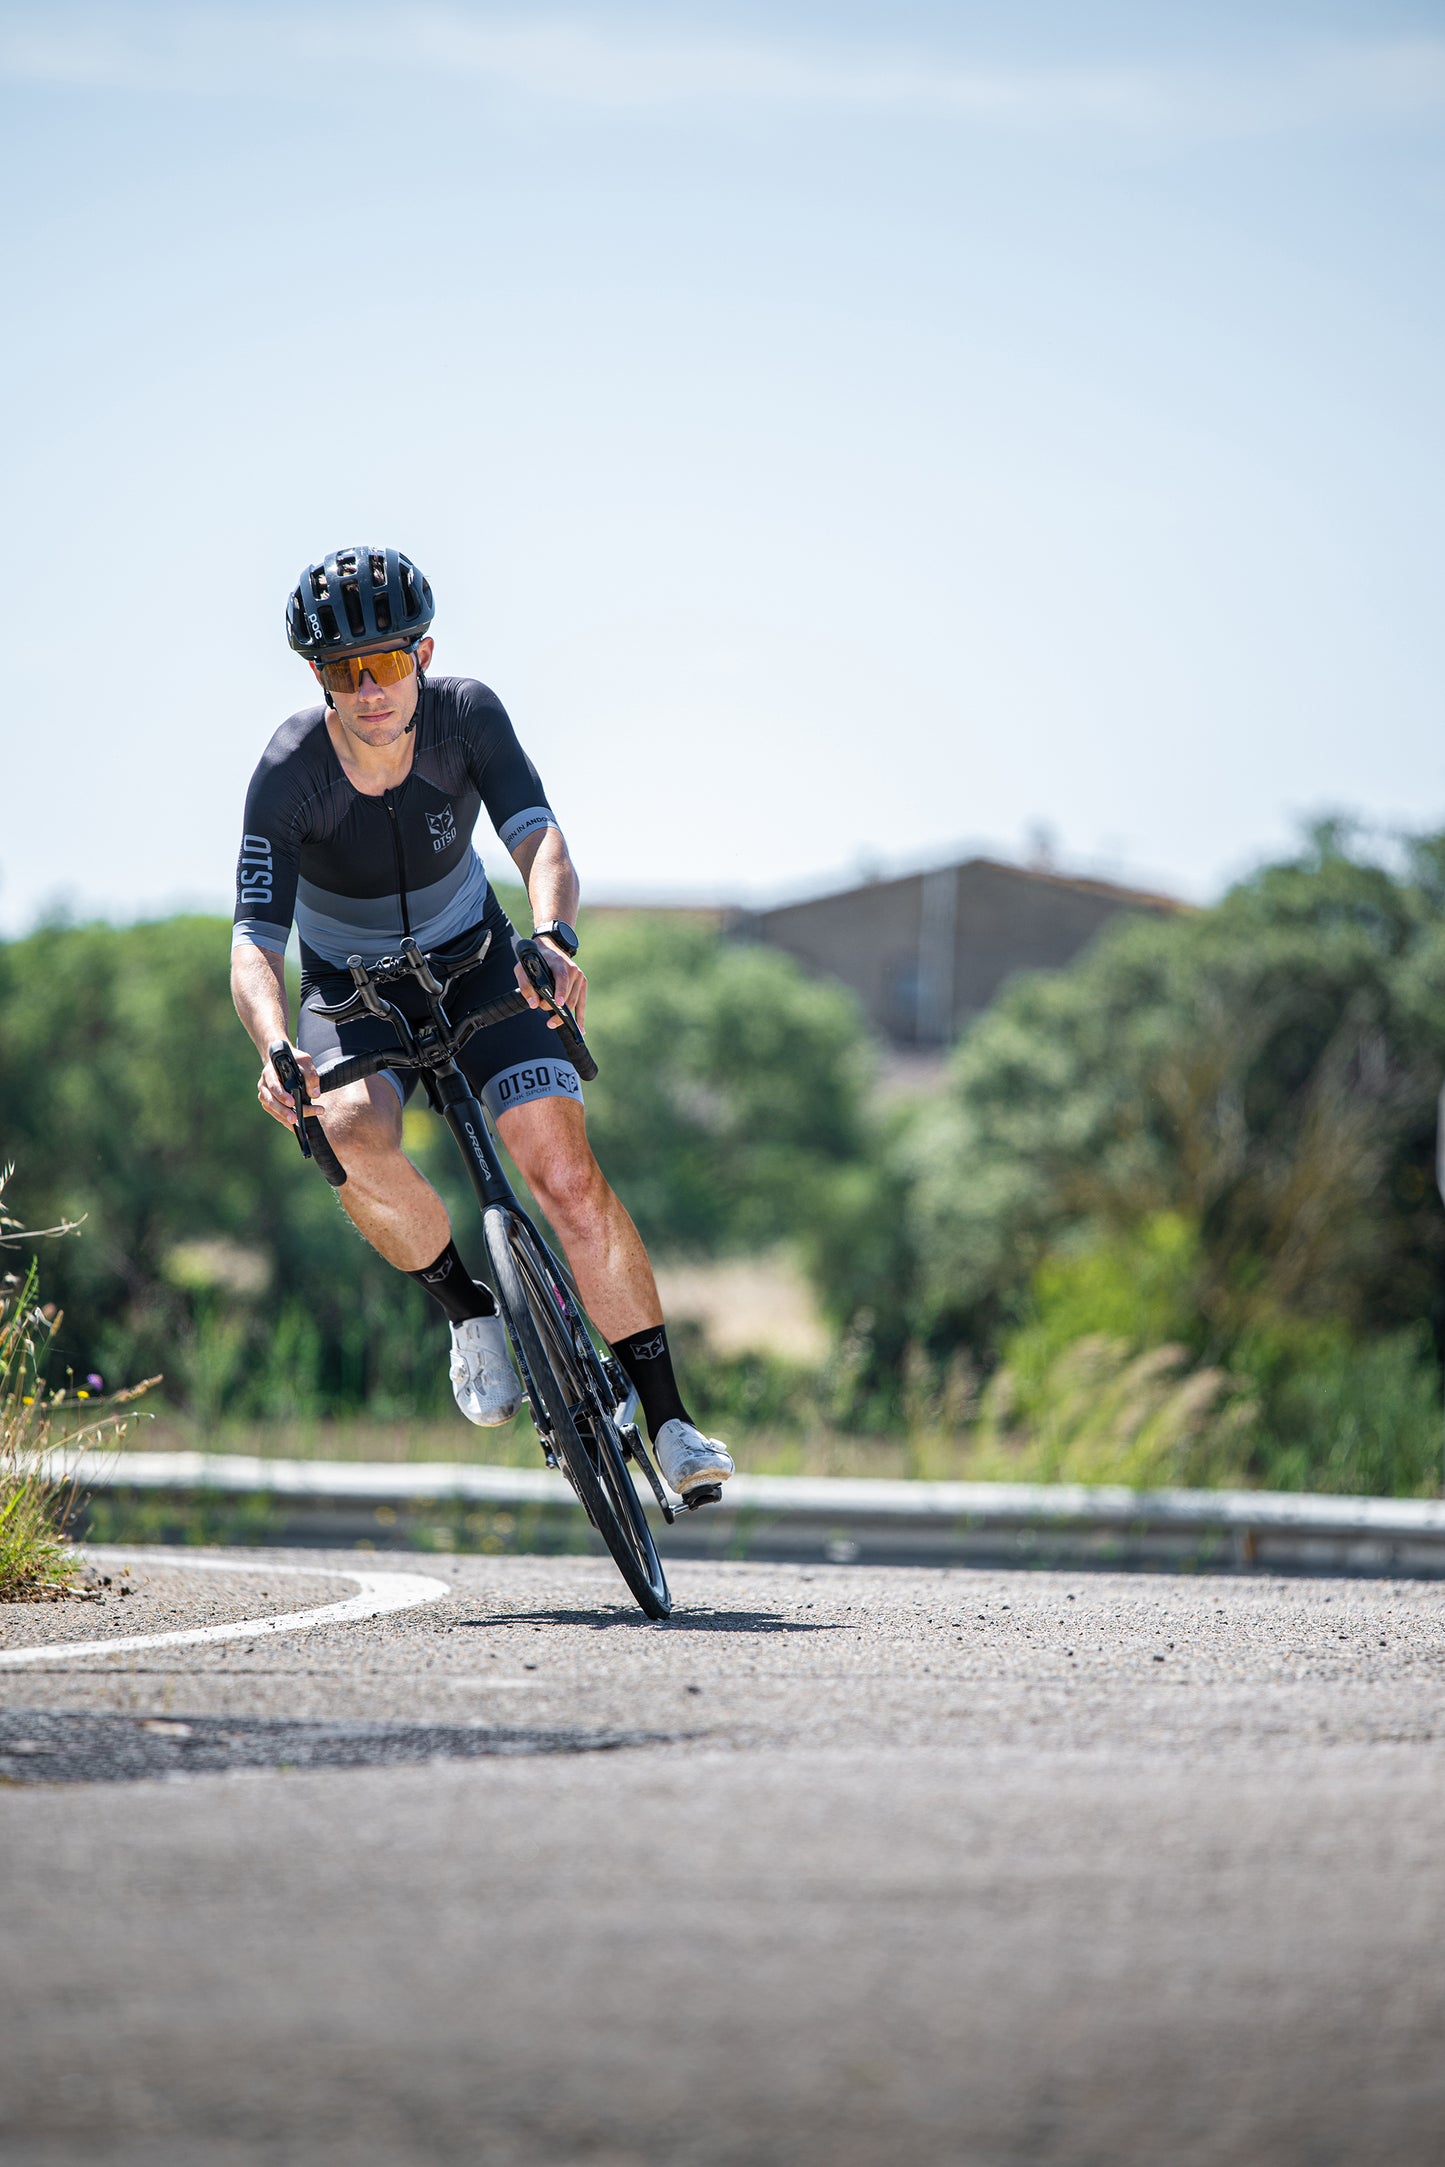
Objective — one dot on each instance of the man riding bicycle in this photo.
(358, 827)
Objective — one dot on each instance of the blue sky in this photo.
(839, 434)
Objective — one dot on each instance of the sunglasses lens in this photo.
(388, 669)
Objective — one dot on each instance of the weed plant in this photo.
(37, 1420)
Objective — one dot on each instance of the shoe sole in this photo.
(491, 1421)
(706, 1478)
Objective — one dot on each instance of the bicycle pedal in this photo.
(703, 1493)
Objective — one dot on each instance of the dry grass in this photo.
(745, 1305)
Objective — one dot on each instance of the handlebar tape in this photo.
(323, 1154)
(574, 1045)
(357, 1066)
(309, 1133)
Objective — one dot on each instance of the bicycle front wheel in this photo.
(570, 1402)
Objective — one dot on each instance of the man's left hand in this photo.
(570, 984)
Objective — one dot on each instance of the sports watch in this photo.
(558, 930)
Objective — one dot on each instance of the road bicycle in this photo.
(579, 1395)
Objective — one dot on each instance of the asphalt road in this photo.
(839, 1866)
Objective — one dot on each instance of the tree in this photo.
(731, 1095)
(1266, 1071)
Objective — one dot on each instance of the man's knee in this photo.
(363, 1123)
(565, 1178)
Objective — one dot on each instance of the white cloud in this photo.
(608, 64)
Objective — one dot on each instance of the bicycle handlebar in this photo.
(413, 964)
(357, 1066)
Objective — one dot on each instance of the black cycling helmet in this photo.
(356, 598)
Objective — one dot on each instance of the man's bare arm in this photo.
(553, 890)
(258, 988)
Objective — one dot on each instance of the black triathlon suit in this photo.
(356, 873)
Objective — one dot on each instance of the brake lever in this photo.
(310, 1135)
(539, 970)
(290, 1078)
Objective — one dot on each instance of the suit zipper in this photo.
(387, 800)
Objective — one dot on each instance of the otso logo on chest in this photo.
(443, 827)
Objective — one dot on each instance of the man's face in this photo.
(378, 714)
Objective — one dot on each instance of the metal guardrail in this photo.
(219, 1497)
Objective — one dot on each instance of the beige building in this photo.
(927, 952)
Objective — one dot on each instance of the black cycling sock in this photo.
(645, 1357)
(453, 1289)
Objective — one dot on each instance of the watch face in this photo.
(558, 930)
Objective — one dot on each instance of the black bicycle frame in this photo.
(450, 1094)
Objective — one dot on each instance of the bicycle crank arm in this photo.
(635, 1449)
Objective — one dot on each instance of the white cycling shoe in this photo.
(484, 1384)
(688, 1459)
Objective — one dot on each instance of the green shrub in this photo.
(1140, 1287)
(1340, 1413)
(1116, 1374)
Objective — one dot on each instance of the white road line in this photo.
(378, 1593)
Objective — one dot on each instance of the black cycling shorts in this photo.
(507, 1064)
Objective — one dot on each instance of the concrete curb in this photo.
(438, 1505)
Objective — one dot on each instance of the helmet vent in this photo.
(329, 628)
(355, 616)
(408, 591)
(382, 606)
(346, 563)
(378, 569)
(319, 587)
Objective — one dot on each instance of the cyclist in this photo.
(358, 827)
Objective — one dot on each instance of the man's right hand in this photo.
(277, 1102)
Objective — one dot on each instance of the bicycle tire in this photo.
(574, 1409)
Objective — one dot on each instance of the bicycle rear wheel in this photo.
(571, 1402)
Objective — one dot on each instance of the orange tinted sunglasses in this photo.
(388, 668)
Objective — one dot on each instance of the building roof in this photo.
(720, 915)
(1106, 890)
